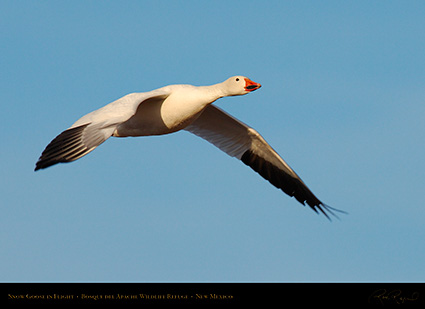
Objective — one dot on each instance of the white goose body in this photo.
(157, 116)
(173, 108)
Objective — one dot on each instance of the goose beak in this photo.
(250, 85)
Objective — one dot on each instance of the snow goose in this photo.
(173, 108)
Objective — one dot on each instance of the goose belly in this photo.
(159, 117)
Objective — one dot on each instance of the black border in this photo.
(276, 294)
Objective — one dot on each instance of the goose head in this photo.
(239, 85)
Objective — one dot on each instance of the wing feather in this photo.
(93, 129)
(246, 144)
(73, 144)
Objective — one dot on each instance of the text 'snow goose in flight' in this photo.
(173, 108)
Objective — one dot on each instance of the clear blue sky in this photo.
(342, 101)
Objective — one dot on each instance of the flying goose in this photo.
(182, 107)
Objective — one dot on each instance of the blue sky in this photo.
(342, 101)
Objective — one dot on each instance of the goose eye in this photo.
(237, 79)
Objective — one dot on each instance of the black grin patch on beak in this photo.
(251, 87)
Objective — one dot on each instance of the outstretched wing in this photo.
(93, 129)
(246, 144)
(72, 144)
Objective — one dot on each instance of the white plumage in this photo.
(173, 108)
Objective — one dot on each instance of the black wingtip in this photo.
(66, 147)
(43, 164)
(288, 183)
(38, 166)
(331, 210)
